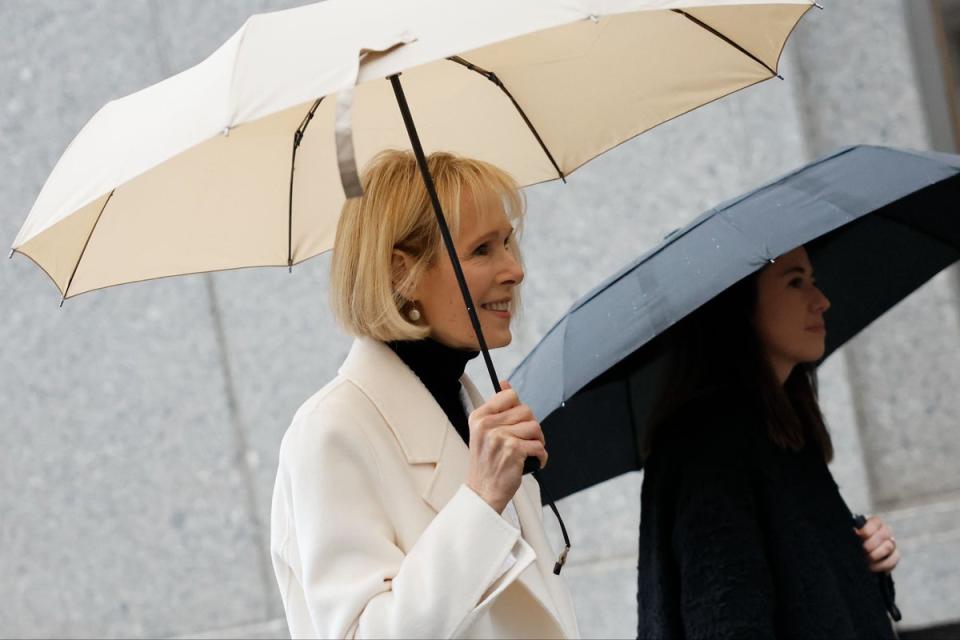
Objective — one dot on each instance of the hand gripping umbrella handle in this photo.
(885, 580)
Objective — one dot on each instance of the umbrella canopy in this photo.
(196, 173)
(877, 224)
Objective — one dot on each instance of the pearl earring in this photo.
(413, 314)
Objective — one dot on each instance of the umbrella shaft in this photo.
(444, 229)
(532, 464)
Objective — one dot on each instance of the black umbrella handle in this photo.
(531, 464)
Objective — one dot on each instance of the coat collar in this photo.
(421, 427)
(417, 421)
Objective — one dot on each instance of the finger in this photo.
(878, 538)
(534, 448)
(872, 525)
(516, 449)
(504, 385)
(883, 551)
(887, 565)
(528, 430)
(484, 416)
(515, 415)
(500, 402)
(520, 414)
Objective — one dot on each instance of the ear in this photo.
(401, 263)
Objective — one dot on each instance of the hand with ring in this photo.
(879, 545)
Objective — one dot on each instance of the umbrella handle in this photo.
(531, 464)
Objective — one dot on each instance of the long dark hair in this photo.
(717, 349)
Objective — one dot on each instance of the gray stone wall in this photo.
(140, 425)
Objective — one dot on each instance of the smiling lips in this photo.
(500, 307)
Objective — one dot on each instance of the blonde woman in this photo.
(400, 508)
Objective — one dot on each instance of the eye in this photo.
(796, 283)
(482, 250)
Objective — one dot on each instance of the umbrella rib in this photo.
(492, 77)
(297, 139)
(705, 26)
(84, 250)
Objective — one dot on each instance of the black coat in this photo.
(741, 539)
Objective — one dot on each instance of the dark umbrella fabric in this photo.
(877, 223)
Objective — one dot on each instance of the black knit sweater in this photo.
(440, 368)
(741, 539)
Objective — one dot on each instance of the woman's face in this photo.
(789, 313)
(491, 270)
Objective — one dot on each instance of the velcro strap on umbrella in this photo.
(346, 155)
(343, 125)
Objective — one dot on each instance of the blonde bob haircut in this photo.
(395, 213)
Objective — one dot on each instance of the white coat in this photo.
(375, 534)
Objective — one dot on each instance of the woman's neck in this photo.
(782, 368)
(432, 361)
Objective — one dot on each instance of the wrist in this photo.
(493, 503)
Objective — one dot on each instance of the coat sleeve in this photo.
(726, 585)
(354, 580)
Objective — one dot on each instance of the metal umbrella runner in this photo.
(200, 188)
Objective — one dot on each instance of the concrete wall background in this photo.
(141, 424)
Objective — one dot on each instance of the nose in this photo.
(512, 272)
(820, 302)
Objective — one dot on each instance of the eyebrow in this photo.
(800, 270)
(490, 236)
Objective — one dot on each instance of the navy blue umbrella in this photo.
(877, 223)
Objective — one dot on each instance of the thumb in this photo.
(504, 385)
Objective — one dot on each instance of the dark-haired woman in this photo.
(743, 531)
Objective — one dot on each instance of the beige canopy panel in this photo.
(195, 173)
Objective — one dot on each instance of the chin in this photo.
(812, 355)
(500, 340)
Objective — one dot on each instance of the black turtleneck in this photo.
(440, 368)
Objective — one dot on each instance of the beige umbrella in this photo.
(218, 166)
(194, 173)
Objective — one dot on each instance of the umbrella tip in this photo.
(61, 301)
(779, 77)
(11, 254)
(818, 5)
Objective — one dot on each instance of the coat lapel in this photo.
(426, 436)
(416, 420)
(419, 424)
